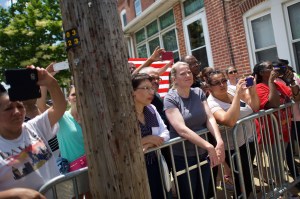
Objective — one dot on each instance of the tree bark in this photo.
(104, 99)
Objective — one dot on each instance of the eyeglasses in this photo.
(219, 83)
(232, 72)
(195, 64)
(146, 88)
(156, 78)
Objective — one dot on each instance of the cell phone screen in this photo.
(23, 84)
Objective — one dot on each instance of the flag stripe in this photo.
(164, 84)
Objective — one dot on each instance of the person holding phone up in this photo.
(228, 107)
(26, 160)
(156, 56)
(272, 94)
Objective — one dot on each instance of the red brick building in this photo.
(219, 33)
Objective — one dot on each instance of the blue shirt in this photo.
(70, 138)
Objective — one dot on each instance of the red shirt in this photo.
(284, 93)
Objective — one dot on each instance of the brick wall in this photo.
(129, 6)
(179, 28)
(227, 33)
(247, 4)
(146, 4)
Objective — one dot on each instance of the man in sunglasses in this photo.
(194, 65)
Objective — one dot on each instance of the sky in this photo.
(5, 3)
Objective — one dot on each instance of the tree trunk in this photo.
(104, 99)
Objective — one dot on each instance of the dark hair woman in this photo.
(272, 93)
(228, 106)
(154, 131)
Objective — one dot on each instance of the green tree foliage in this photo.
(31, 33)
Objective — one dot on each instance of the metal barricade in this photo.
(276, 171)
(273, 173)
(268, 163)
(176, 173)
(70, 185)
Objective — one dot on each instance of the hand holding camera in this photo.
(249, 81)
(285, 72)
(25, 83)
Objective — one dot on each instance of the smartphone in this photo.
(281, 69)
(168, 55)
(23, 84)
(61, 66)
(249, 81)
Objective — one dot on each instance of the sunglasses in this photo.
(155, 78)
(232, 72)
(219, 83)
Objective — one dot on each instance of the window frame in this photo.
(277, 9)
(290, 36)
(267, 12)
(137, 13)
(122, 13)
(198, 15)
(159, 34)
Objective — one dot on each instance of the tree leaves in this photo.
(31, 33)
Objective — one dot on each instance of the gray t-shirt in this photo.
(193, 113)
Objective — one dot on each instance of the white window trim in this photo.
(289, 32)
(201, 15)
(121, 16)
(140, 5)
(275, 8)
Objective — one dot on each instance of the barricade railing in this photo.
(276, 170)
(272, 176)
(67, 186)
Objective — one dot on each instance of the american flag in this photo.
(164, 84)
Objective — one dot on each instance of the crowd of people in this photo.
(38, 141)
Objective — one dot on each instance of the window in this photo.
(263, 36)
(160, 32)
(166, 20)
(294, 18)
(152, 28)
(153, 44)
(273, 31)
(138, 7)
(169, 42)
(191, 6)
(123, 18)
(196, 40)
(142, 51)
(140, 36)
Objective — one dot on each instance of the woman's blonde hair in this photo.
(173, 72)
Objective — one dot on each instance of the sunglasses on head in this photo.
(155, 78)
(232, 72)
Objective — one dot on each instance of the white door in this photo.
(197, 39)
